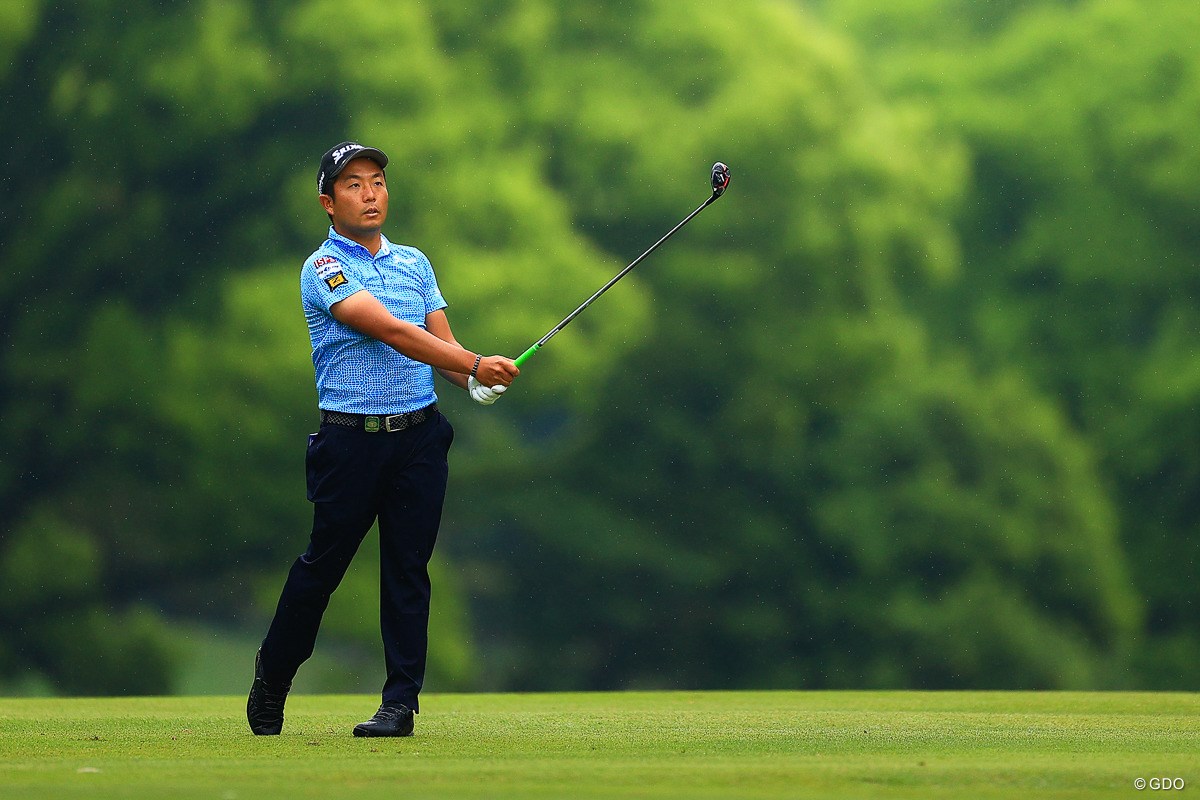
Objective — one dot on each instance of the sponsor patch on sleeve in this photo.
(329, 269)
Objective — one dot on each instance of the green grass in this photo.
(627, 745)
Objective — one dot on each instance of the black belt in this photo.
(375, 423)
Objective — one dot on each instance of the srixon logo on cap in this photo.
(341, 151)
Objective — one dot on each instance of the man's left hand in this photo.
(484, 395)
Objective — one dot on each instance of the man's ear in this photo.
(327, 203)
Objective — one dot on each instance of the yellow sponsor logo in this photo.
(335, 280)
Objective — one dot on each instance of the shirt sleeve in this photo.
(432, 294)
(324, 280)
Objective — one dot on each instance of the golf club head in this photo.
(720, 178)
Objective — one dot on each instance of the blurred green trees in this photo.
(1080, 218)
(813, 442)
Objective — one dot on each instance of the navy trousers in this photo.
(354, 478)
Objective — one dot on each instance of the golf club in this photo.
(720, 180)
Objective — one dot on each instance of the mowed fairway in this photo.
(632, 744)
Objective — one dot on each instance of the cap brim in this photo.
(367, 152)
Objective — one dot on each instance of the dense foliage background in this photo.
(914, 405)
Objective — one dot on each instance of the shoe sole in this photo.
(368, 733)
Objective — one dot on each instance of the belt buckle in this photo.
(395, 422)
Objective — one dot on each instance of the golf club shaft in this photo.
(521, 359)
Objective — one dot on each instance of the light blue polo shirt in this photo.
(355, 373)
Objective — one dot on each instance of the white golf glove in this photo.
(484, 395)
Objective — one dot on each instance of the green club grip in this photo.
(521, 359)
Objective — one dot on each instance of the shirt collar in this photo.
(385, 247)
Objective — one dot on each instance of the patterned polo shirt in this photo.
(355, 373)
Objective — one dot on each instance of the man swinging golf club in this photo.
(379, 329)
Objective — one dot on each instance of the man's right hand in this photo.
(496, 371)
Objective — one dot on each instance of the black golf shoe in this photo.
(264, 706)
(388, 721)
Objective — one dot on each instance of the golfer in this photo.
(378, 326)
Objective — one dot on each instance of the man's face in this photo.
(359, 202)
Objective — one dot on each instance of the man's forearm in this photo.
(368, 316)
(459, 379)
(420, 345)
